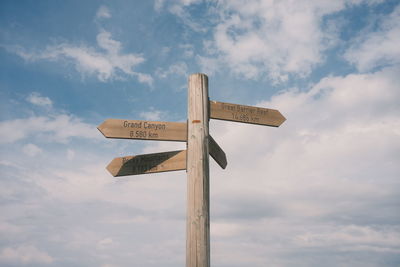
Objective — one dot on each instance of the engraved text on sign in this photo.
(144, 130)
(245, 114)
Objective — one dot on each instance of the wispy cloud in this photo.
(274, 38)
(178, 9)
(269, 38)
(378, 48)
(42, 101)
(179, 69)
(31, 150)
(103, 13)
(26, 254)
(107, 62)
(56, 128)
(158, 5)
(152, 114)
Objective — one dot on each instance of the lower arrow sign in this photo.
(148, 163)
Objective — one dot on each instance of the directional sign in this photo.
(148, 163)
(246, 114)
(145, 130)
(217, 153)
(193, 159)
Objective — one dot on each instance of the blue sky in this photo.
(321, 190)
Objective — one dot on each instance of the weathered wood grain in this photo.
(198, 191)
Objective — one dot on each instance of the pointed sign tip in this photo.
(98, 128)
(101, 128)
(283, 119)
(224, 166)
(112, 169)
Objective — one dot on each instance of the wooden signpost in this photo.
(194, 159)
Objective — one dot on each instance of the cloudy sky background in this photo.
(321, 190)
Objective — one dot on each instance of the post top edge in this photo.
(198, 73)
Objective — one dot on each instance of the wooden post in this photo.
(198, 197)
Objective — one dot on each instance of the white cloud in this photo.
(333, 162)
(108, 64)
(178, 8)
(8, 163)
(378, 48)
(103, 13)
(333, 121)
(158, 5)
(275, 241)
(36, 99)
(188, 50)
(144, 78)
(70, 154)
(31, 150)
(7, 228)
(179, 69)
(325, 182)
(105, 41)
(273, 37)
(152, 114)
(25, 254)
(105, 243)
(208, 65)
(219, 229)
(350, 235)
(57, 128)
